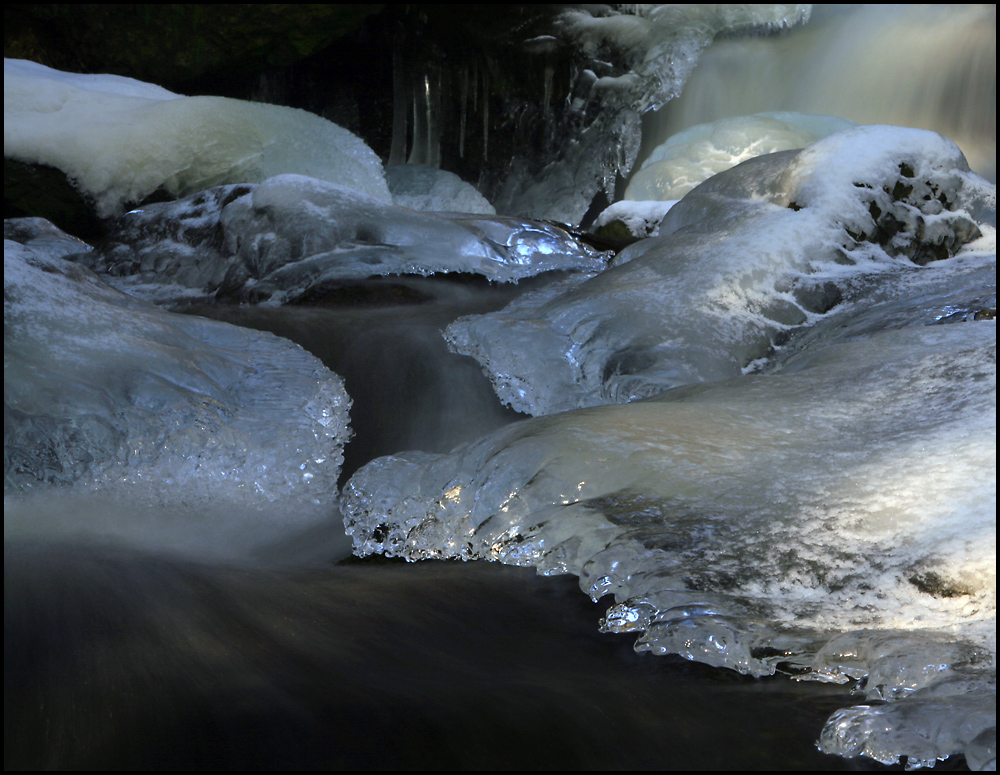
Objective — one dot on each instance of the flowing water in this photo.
(224, 634)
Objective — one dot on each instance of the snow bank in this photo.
(119, 140)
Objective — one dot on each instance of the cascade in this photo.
(732, 484)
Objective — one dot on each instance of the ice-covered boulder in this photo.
(106, 393)
(743, 263)
(292, 234)
(119, 140)
(424, 188)
(835, 521)
(696, 154)
(629, 221)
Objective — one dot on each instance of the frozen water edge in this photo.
(743, 264)
(835, 522)
(293, 235)
(107, 396)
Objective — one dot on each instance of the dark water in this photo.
(383, 337)
(114, 659)
(121, 658)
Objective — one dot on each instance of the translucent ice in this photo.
(630, 59)
(119, 140)
(694, 155)
(835, 521)
(105, 393)
(742, 263)
(419, 187)
(919, 65)
(292, 234)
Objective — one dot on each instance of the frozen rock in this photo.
(108, 394)
(119, 140)
(632, 220)
(43, 237)
(751, 257)
(428, 189)
(696, 154)
(835, 521)
(292, 234)
(631, 59)
(840, 64)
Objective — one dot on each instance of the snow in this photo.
(740, 264)
(119, 140)
(642, 218)
(694, 155)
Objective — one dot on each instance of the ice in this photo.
(43, 237)
(108, 395)
(632, 59)
(424, 188)
(292, 234)
(742, 263)
(694, 155)
(875, 64)
(641, 219)
(120, 140)
(662, 42)
(835, 521)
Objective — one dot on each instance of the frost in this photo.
(742, 263)
(108, 394)
(292, 234)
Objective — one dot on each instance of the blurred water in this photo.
(119, 659)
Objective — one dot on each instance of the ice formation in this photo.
(120, 140)
(293, 234)
(641, 219)
(106, 393)
(839, 63)
(694, 155)
(742, 263)
(424, 188)
(635, 59)
(833, 521)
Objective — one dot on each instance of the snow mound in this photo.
(119, 140)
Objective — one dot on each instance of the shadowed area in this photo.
(121, 660)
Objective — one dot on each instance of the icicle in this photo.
(486, 116)
(546, 104)
(397, 152)
(464, 106)
(418, 150)
(434, 95)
